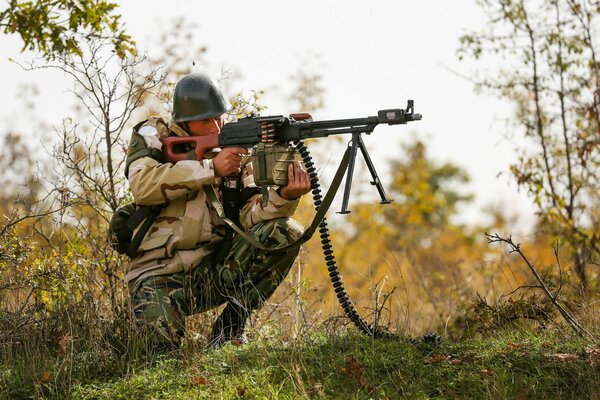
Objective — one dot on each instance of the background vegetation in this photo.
(518, 317)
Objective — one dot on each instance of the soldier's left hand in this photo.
(298, 182)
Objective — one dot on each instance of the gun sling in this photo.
(147, 214)
(320, 214)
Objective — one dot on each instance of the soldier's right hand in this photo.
(228, 161)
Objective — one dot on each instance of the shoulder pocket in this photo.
(138, 149)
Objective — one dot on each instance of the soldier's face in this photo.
(205, 127)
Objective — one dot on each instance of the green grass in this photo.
(509, 365)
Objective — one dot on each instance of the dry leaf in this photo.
(63, 343)
(593, 354)
(46, 377)
(240, 390)
(200, 380)
(437, 358)
(563, 357)
(487, 372)
(352, 364)
(318, 390)
(353, 367)
(355, 371)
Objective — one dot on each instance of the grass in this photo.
(507, 365)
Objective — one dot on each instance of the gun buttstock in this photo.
(181, 148)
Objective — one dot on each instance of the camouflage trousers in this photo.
(247, 276)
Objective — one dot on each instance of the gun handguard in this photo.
(178, 148)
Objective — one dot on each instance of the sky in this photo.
(372, 55)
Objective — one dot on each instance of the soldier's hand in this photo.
(298, 182)
(228, 161)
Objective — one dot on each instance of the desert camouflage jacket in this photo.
(187, 229)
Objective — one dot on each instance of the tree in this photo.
(60, 27)
(22, 156)
(83, 185)
(308, 92)
(551, 73)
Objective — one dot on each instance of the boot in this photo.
(230, 326)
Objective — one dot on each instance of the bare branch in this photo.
(516, 248)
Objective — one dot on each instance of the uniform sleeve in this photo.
(253, 212)
(152, 182)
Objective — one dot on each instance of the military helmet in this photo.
(197, 97)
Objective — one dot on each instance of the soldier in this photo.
(188, 261)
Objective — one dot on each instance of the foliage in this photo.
(480, 317)
(53, 314)
(22, 157)
(551, 74)
(63, 297)
(59, 27)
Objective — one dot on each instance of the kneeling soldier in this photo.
(189, 261)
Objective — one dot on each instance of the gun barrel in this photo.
(249, 131)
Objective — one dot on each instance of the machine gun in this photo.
(270, 139)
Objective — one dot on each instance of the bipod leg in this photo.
(376, 182)
(350, 173)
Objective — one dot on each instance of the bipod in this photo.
(355, 144)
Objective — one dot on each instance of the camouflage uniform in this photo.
(174, 274)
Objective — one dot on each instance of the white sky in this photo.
(372, 55)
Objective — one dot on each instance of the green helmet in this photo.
(197, 97)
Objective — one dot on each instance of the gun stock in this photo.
(179, 148)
